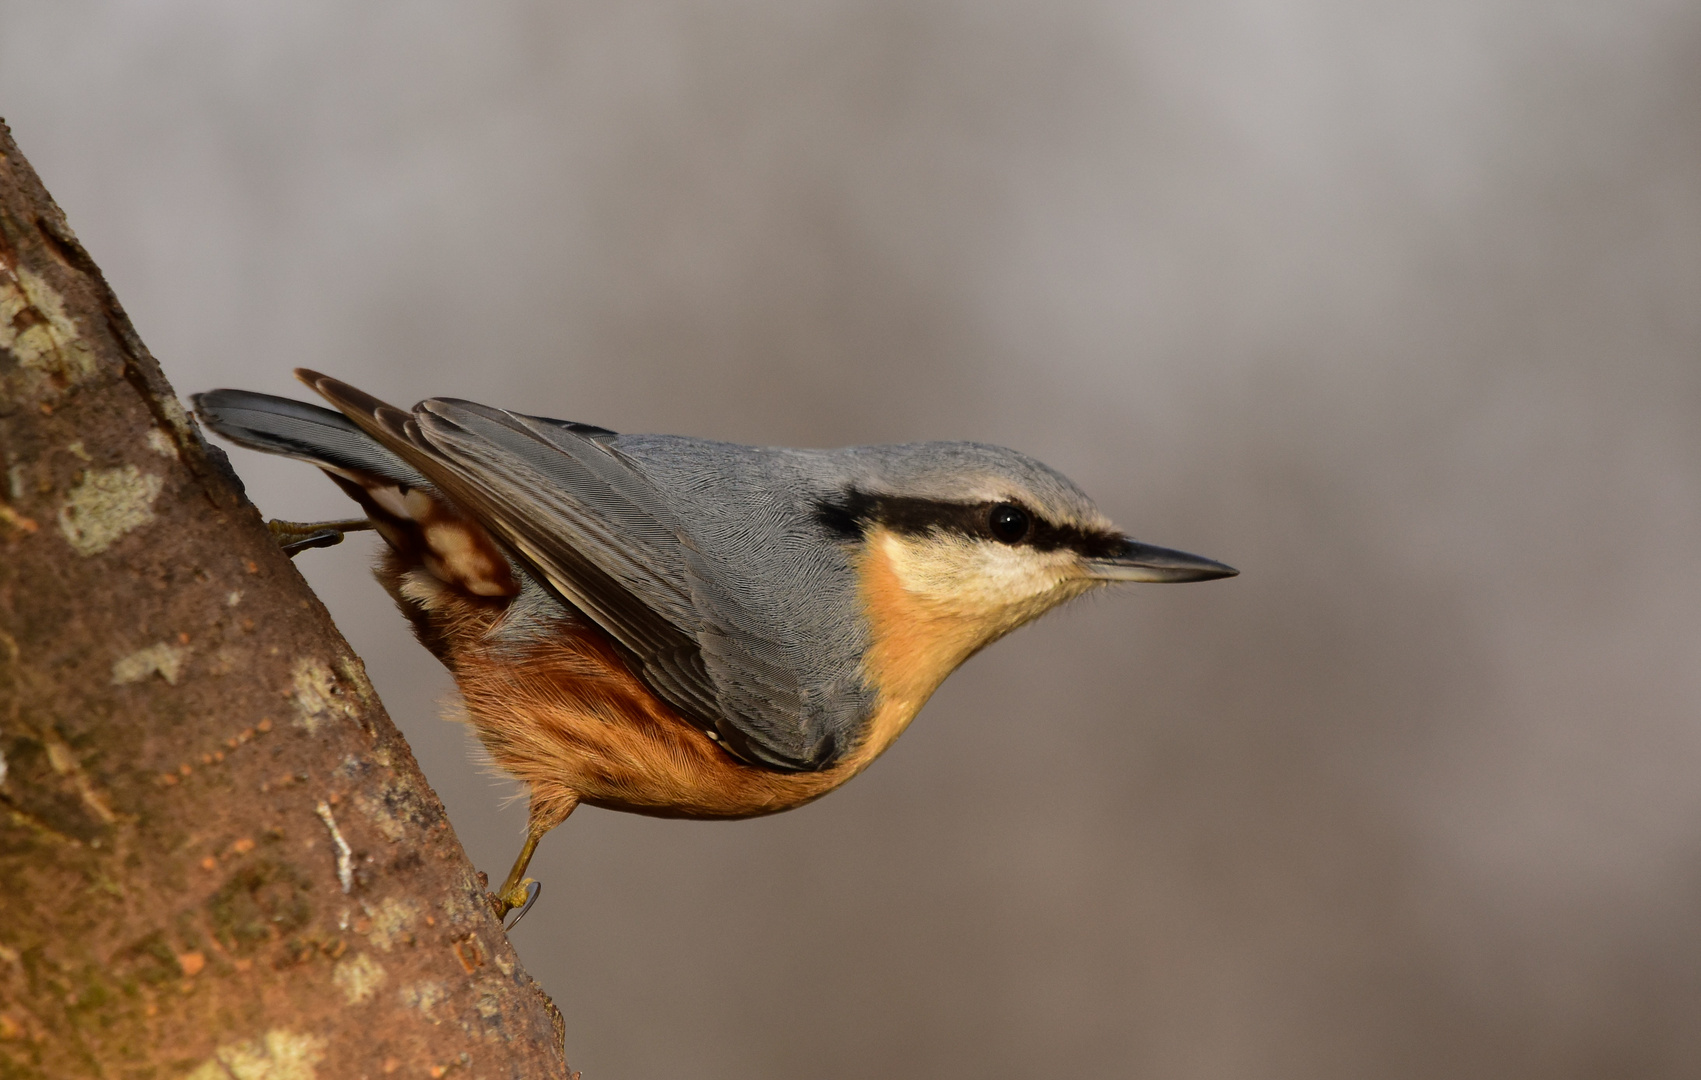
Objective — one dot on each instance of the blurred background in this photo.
(1394, 306)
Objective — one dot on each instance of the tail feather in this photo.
(296, 429)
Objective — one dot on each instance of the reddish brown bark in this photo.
(217, 856)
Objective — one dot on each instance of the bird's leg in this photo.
(547, 811)
(513, 891)
(296, 536)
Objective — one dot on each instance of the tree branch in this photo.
(218, 857)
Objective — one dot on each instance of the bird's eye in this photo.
(1009, 523)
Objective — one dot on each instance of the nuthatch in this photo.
(686, 628)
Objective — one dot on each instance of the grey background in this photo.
(1396, 306)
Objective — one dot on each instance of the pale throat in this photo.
(933, 601)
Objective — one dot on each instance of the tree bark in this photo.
(218, 858)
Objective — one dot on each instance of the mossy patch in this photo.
(280, 1054)
(395, 806)
(149, 960)
(164, 659)
(49, 355)
(260, 903)
(425, 996)
(358, 977)
(391, 923)
(107, 505)
(318, 694)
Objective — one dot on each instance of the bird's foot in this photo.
(298, 536)
(518, 899)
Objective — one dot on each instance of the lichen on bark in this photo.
(176, 710)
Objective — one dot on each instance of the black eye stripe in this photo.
(853, 512)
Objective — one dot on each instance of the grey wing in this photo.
(593, 527)
(772, 597)
(756, 652)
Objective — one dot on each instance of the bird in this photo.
(681, 627)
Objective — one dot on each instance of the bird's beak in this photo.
(1144, 562)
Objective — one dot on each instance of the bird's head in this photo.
(960, 543)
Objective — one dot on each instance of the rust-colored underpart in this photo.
(567, 716)
(218, 858)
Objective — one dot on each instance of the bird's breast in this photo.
(913, 643)
(559, 708)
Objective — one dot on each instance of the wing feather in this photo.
(590, 523)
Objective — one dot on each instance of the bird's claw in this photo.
(521, 897)
(298, 536)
